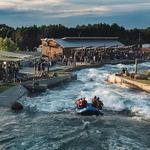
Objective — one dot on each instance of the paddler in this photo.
(96, 102)
(81, 103)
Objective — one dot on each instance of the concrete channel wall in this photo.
(8, 97)
(13, 94)
(51, 82)
(129, 83)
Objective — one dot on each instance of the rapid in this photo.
(49, 120)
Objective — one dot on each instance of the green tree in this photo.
(7, 44)
(6, 31)
(1, 43)
(30, 37)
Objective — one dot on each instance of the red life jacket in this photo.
(81, 103)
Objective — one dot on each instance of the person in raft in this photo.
(96, 102)
(81, 103)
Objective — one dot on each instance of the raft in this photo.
(89, 110)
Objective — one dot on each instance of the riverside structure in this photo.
(132, 83)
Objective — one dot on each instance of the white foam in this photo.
(114, 97)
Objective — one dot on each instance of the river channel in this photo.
(49, 120)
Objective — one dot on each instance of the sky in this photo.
(128, 13)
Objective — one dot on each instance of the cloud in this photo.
(65, 8)
(130, 7)
(107, 2)
(51, 8)
(29, 4)
(56, 9)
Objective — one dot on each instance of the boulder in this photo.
(17, 106)
(74, 77)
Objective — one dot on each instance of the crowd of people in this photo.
(8, 71)
(101, 55)
(104, 55)
(92, 56)
(39, 67)
(96, 102)
(125, 72)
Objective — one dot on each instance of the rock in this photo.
(74, 77)
(17, 106)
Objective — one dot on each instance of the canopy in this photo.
(9, 59)
(10, 55)
(81, 42)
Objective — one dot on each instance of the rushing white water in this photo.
(93, 82)
(54, 124)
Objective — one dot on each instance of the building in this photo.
(146, 49)
(51, 48)
(65, 46)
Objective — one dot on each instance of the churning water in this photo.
(50, 122)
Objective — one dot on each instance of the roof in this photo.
(13, 55)
(9, 59)
(90, 38)
(88, 42)
(147, 45)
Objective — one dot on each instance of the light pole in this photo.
(74, 59)
(136, 62)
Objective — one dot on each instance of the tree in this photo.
(7, 44)
(30, 37)
(1, 44)
(6, 31)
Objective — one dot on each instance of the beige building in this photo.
(67, 45)
(51, 48)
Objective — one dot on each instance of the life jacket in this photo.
(97, 103)
(81, 103)
(94, 102)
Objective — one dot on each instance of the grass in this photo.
(147, 72)
(141, 81)
(6, 86)
(144, 81)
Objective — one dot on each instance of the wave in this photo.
(93, 82)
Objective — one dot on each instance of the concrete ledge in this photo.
(51, 82)
(129, 83)
(11, 95)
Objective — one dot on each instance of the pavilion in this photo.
(65, 46)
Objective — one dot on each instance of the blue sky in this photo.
(129, 13)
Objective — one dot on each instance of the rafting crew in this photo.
(96, 102)
(81, 103)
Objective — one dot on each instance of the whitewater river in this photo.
(49, 121)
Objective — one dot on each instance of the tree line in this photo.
(7, 44)
(30, 37)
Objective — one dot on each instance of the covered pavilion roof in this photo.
(80, 42)
(12, 55)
